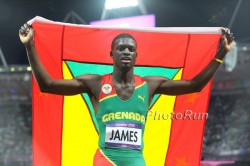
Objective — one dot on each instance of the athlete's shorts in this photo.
(104, 158)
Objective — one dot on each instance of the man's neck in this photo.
(123, 77)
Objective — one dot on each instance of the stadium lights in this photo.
(20, 69)
(114, 4)
(12, 69)
(28, 68)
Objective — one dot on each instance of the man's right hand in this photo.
(26, 34)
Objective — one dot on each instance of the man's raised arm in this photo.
(85, 83)
(162, 85)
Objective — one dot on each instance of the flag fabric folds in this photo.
(65, 131)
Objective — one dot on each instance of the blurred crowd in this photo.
(15, 120)
(227, 133)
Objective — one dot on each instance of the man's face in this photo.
(124, 53)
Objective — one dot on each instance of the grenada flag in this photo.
(65, 131)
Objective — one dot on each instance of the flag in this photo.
(65, 131)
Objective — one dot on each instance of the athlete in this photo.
(121, 132)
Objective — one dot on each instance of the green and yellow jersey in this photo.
(122, 122)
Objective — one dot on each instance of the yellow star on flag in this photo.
(47, 164)
(191, 98)
(181, 161)
(43, 94)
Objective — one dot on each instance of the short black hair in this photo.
(123, 35)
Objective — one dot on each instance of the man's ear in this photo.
(111, 54)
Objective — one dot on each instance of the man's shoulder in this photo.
(89, 77)
(154, 78)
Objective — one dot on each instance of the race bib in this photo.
(123, 135)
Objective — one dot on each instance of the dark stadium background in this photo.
(227, 131)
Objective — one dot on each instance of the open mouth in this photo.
(126, 60)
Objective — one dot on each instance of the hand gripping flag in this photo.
(65, 131)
